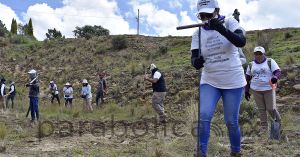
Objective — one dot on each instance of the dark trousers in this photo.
(55, 96)
(12, 98)
(34, 108)
(68, 101)
(100, 95)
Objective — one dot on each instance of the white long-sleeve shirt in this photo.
(68, 92)
(2, 89)
(53, 89)
(87, 90)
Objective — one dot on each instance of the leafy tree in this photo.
(88, 31)
(3, 29)
(22, 29)
(29, 29)
(54, 34)
(13, 27)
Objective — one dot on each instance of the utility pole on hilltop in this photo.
(138, 23)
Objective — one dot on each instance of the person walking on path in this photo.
(68, 94)
(86, 94)
(215, 48)
(263, 73)
(159, 91)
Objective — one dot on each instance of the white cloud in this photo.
(6, 16)
(175, 4)
(255, 14)
(261, 14)
(162, 21)
(185, 20)
(77, 13)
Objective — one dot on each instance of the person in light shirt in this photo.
(68, 94)
(214, 48)
(2, 94)
(54, 92)
(11, 94)
(159, 91)
(263, 73)
(86, 94)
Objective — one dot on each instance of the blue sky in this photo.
(157, 17)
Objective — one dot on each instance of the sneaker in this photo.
(234, 154)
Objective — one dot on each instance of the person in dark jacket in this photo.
(159, 91)
(33, 95)
(11, 94)
(101, 89)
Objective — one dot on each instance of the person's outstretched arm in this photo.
(237, 37)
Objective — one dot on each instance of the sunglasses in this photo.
(202, 16)
(258, 53)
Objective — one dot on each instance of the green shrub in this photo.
(248, 51)
(100, 50)
(3, 42)
(20, 39)
(119, 42)
(287, 35)
(248, 112)
(290, 60)
(263, 39)
(163, 49)
(291, 75)
(16, 39)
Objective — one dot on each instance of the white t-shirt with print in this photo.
(222, 68)
(261, 75)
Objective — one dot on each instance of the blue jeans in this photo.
(209, 97)
(34, 107)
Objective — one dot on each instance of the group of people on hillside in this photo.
(34, 90)
(7, 94)
(215, 49)
(86, 92)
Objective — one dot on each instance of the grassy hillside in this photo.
(71, 60)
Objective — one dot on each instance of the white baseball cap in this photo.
(51, 81)
(32, 71)
(207, 6)
(67, 84)
(259, 49)
(152, 66)
(84, 81)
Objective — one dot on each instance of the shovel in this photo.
(275, 122)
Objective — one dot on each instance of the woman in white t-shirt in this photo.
(261, 75)
(222, 73)
(68, 94)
